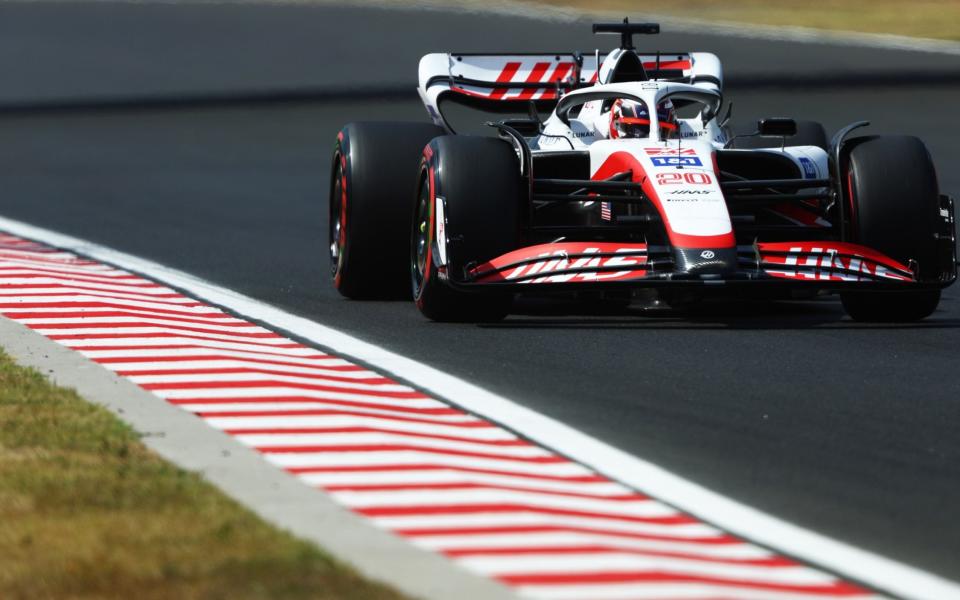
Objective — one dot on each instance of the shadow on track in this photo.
(747, 315)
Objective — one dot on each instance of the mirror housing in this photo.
(727, 116)
(526, 127)
(777, 127)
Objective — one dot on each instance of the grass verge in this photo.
(86, 511)
(921, 18)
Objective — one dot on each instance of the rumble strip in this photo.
(423, 468)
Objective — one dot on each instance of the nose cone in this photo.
(705, 261)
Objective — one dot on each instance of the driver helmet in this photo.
(630, 119)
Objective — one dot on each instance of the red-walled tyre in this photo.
(477, 180)
(895, 209)
(372, 189)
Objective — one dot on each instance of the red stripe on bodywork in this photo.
(683, 65)
(506, 75)
(618, 162)
(560, 72)
(799, 214)
(821, 261)
(535, 76)
(537, 261)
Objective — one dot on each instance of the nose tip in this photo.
(705, 261)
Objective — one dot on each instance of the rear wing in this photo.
(509, 82)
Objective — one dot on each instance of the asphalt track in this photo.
(844, 428)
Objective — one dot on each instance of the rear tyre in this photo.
(478, 181)
(894, 208)
(373, 181)
(809, 133)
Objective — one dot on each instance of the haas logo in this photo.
(557, 268)
(707, 254)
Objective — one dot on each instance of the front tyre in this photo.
(895, 209)
(474, 184)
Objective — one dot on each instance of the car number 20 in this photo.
(675, 178)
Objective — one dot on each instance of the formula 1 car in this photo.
(634, 183)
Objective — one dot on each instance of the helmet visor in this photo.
(630, 119)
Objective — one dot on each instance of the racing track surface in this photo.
(844, 428)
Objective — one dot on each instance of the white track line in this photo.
(731, 515)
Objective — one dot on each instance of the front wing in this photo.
(823, 265)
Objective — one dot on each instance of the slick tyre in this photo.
(809, 133)
(894, 208)
(373, 180)
(476, 181)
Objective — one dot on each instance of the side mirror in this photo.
(526, 127)
(777, 127)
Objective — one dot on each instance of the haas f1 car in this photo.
(634, 185)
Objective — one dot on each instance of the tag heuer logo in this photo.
(708, 254)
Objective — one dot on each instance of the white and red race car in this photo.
(633, 183)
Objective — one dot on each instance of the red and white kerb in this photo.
(419, 466)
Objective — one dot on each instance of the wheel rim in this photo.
(420, 249)
(337, 221)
